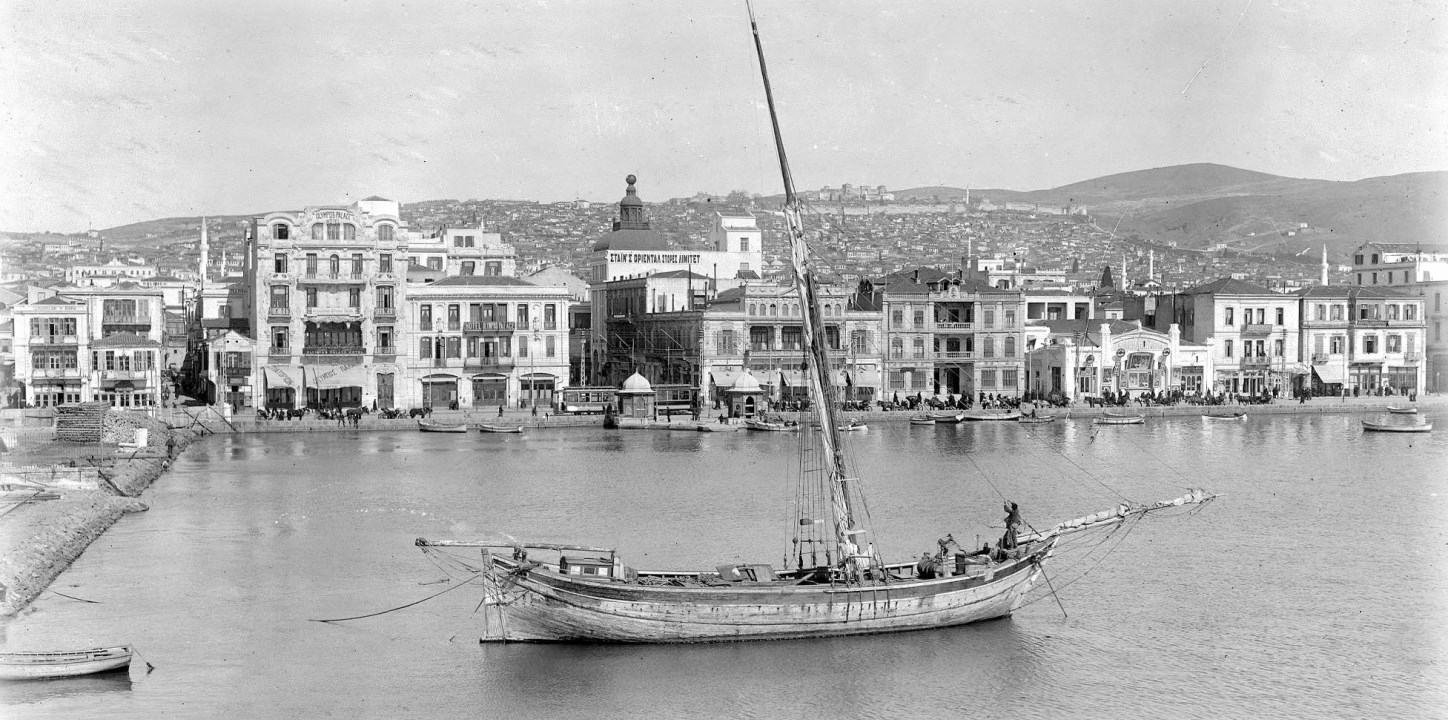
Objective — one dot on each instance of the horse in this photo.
(421, 412)
(354, 415)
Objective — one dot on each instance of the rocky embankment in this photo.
(39, 540)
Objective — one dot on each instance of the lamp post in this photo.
(532, 365)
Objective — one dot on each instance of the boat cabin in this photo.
(601, 567)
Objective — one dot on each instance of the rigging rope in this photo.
(399, 607)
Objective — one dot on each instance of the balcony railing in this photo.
(384, 312)
(236, 369)
(54, 340)
(1411, 356)
(1319, 358)
(953, 325)
(1256, 330)
(424, 325)
(1256, 361)
(388, 350)
(125, 319)
(490, 363)
(56, 372)
(349, 313)
(334, 350)
(279, 312)
(489, 326)
(454, 325)
(953, 355)
(334, 277)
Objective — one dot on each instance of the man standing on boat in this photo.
(1013, 524)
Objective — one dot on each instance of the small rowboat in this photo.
(1402, 410)
(1036, 419)
(992, 415)
(1238, 415)
(948, 417)
(40, 665)
(500, 428)
(1119, 419)
(431, 426)
(922, 420)
(1371, 426)
(854, 427)
(769, 426)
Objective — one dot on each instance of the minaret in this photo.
(1123, 271)
(1150, 265)
(203, 251)
(1324, 266)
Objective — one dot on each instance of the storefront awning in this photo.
(540, 376)
(724, 378)
(1330, 374)
(792, 378)
(283, 376)
(867, 378)
(333, 377)
(439, 377)
(490, 377)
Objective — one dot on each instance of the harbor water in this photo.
(1316, 586)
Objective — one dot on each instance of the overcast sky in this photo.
(127, 110)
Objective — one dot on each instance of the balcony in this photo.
(385, 313)
(489, 364)
(1256, 330)
(334, 350)
(1256, 361)
(343, 277)
(953, 355)
(1412, 356)
(952, 325)
(425, 325)
(483, 326)
(125, 319)
(340, 313)
(54, 340)
(454, 325)
(56, 372)
(1372, 322)
(236, 369)
(385, 353)
(1319, 358)
(284, 313)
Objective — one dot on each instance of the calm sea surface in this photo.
(1317, 587)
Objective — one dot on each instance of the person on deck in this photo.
(1013, 524)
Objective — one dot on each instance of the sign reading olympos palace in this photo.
(662, 258)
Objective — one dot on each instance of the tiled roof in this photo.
(681, 274)
(482, 281)
(1228, 286)
(124, 340)
(55, 300)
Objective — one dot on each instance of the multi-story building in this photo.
(1424, 270)
(1364, 339)
(464, 252)
(1252, 332)
(108, 274)
(1084, 358)
(91, 344)
(481, 341)
(324, 296)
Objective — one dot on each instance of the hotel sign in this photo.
(664, 258)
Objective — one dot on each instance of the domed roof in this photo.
(746, 383)
(631, 195)
(637, 384)
(632, 231)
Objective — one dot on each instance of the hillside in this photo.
(1204, 206)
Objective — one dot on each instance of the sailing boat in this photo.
(835, 582)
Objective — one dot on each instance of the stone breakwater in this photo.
(39, 540)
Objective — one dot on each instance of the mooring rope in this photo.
(399, 607)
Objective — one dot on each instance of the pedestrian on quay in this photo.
(170, 446)
(500, 409)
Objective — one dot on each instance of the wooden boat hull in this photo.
(762, 426)
(1396, 428)
(986, 416)
(859, 427)
(1402, 410)
(1036, 420)
(542, 605)
(922, 421)
(41, 665)
(944, 418)
(1120, 420)
(426, 426)
(500, 428)
(1233, 416)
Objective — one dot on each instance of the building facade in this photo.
(91, 344)
(1253, 334)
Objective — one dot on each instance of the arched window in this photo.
(349, 231)
(335, 266)
(753, 310)
(773, 310)
(281, 231)
(384, 232)
(1010, 346)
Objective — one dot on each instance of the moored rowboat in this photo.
(1402, 410)
(1119, 419)
(1371, 426)
(71, 663)
(500, 428)
(922, 420)
(1238, 415)
(432, 426)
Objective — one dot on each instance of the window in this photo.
(897, 317)
(334, 231)
(1336, 344)
(988, 318)
(1392, 312)
(1357, 259)
(281, 231)
(424, 318)
(522, 316)
(1316, 344)
(468, 267)
(1010, 349)
(280, 340)
(1278, 347)
(349, 231)
(550, 346)
(1394, 344)
(317, 230)
(356, 265)
(550, 317)
(919, 318)
(859, 341)
(1410, 312)
(1337, 312)
(917, 347)
(1281, 314)
(1370, 344)
(384, 261)
(744, 244)
(384, 297)
(424, 348)
(384, 232)
(744, 267)
(1228, 348)
(897, 348)
(725, 342)
(354, 297)
(279, 297)
(987, 378)
(1009, 379)
(434, 263)
(384, 338)
(493, 268)
(1321, 311)
(334, 266)
(279, 262)
(1437, 331)
(1360, 278)
(1375, 278)
(312, 264)
(1375, 259)
(987, 347)
(523, 346)
(1230, 319)
(311, 297)
(897, 380)
(454, 347)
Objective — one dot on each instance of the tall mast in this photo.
(817, 362)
